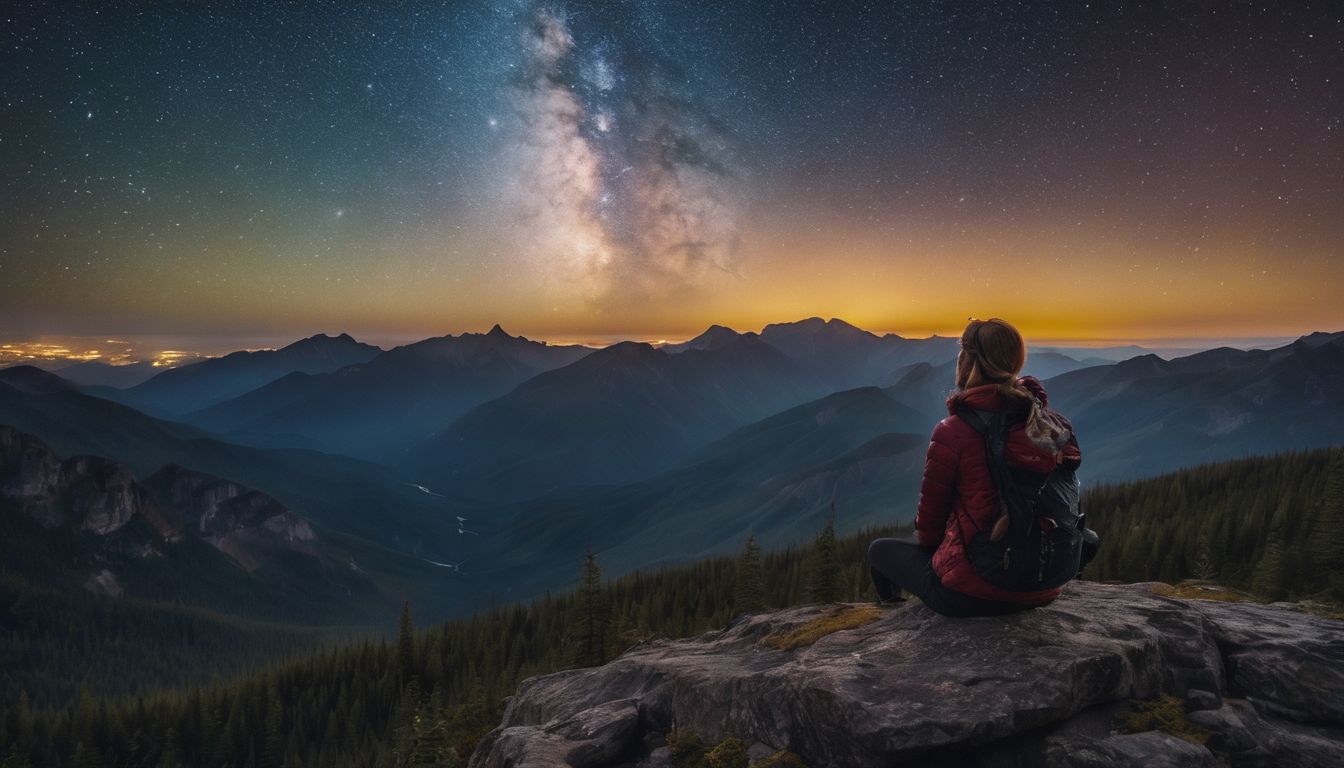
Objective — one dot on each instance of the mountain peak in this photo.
(497, 332)
(1317, 338)
(1147, 364)
(714, 337)
(836, 322)
(34, 380)
(629, 348)
(623, 353)
(813, 326)
(323, 341)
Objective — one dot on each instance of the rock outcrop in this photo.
(99, 496)
(88, 493)
(240, 522)
(1264, 684)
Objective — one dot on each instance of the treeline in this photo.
(55, 642)
(1274, 525)
(424, 698)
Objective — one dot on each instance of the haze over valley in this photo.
(508, 458)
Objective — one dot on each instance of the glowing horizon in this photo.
(151, 349)
(581, 171)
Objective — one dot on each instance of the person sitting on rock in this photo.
(957, 497)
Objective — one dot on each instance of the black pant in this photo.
(898, 564)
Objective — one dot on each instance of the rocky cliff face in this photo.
(238, 521)
(84, 492)
(1261, 685)
(99, 496)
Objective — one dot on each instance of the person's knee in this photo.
(876, 548)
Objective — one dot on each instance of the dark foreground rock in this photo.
(1264, 682)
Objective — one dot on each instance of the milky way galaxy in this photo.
(626, 188)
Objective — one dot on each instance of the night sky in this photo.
(596, 170)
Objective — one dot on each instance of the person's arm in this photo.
(938, 488)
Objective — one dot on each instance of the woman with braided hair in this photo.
(957, 496)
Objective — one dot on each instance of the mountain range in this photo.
(486, 464)
(1147, 415)
(177, 391)
(619, 414)
(376, 409)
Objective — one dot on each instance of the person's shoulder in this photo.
(951, 429)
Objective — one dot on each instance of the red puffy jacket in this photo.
(957, 494)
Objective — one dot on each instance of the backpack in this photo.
(1037, 542)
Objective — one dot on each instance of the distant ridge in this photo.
(179, 390)
(33, 380)
(618, 414)
(715, 336)
(1148, 415)
(377, 409)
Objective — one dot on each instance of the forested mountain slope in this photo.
(432, 695)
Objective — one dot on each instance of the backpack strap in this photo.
(993, 427)
(988, 423)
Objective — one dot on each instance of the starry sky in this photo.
(597, 170)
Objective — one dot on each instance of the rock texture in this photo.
(87, 493)
(99, 496)
(914, 688)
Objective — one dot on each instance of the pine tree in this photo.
(823, 571)
(1203, 567)
(406, 644)
(1326, 544)
(593, 616)
(1271, 572)
(273, 748)
(404, 723)
(1134, 553)
(432, 748)
(84, 756)
(749, 587)
(85, 752)
(472, 720)
(1172, 570)
(21, 733)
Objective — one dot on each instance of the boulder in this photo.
(914, 687)
(586, 739)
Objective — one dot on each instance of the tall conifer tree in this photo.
(823, 572)
(749, 587)
(593, 616)
(406, 644)
(1326, 544)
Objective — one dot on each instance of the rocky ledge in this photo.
(1253, 684)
